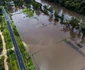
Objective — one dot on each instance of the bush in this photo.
(50, 9)
(36, 5)
(2, 63)
(74, 22)
(0, 11)
(11, 60)
(1, 45)
(56, 15)
(62, 18)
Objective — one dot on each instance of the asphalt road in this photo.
(17, 52)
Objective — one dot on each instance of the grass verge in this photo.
(26, 58)
(12, 62)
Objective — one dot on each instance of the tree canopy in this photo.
(76, 5)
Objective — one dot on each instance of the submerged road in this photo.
(17, 52)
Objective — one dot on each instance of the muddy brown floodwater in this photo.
(45, 38)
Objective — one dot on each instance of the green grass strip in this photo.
(12, 62)
(26, 58)
(27, 12)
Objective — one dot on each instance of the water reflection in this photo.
(51, 18)
(75, 35)
(45, 18)
(38, 12)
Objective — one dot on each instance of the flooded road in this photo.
(45, 38)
